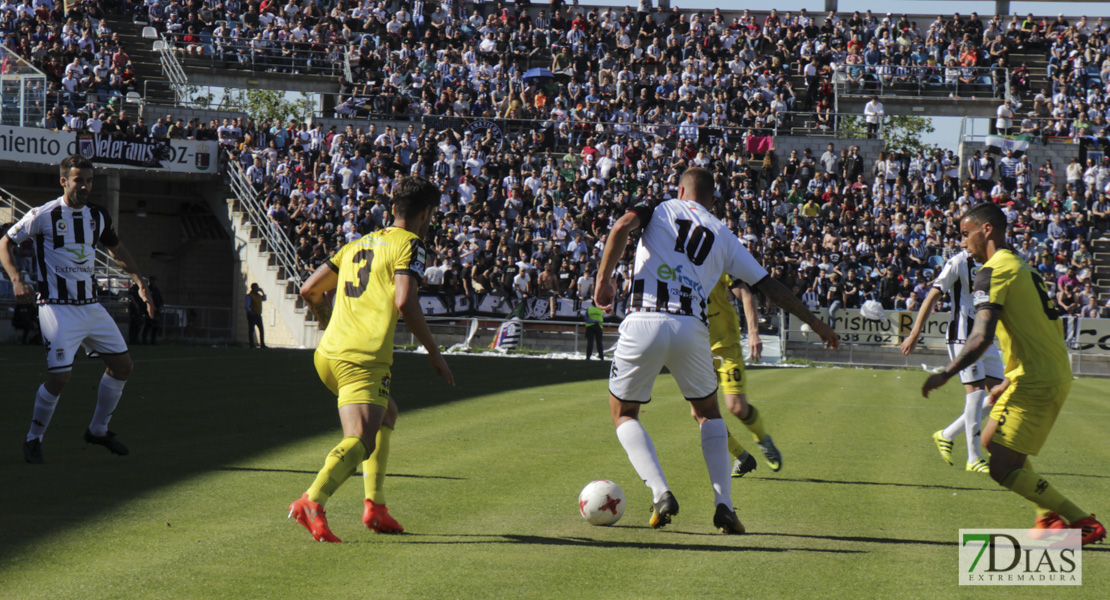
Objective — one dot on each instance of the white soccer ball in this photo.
(601, 502)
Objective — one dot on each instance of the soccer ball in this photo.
(601, 502)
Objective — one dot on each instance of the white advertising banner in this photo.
(1089, 336)
(43, 146)
(856, 328)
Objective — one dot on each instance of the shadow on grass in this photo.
(1078, 475)
(191, 410)
(355, 474)
(582, 542)
(923, 486)
(866, 539)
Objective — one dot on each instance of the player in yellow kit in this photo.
(375, 279)
(1010, 293)
(724, 339)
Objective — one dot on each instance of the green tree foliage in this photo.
(273, 104)
(900, 132)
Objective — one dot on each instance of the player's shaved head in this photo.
(987, 212)
(699, 185)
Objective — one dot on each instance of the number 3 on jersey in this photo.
(696, 244)
(365, 256)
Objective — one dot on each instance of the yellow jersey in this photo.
(365, 317)
(1030, 332)
(724, 322)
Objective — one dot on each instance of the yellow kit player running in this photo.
(724, 339)
(375, 278)
(1038, 376)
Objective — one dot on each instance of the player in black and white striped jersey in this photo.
(956, 279)
(682, 252)
(66, 232)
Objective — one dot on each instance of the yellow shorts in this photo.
(1025, 416)
(353, 383)
(729, 362)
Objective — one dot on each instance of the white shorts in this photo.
(648, 342)
(988, 365)
(65, 328)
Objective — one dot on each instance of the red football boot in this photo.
(311, 515)
(376, 517)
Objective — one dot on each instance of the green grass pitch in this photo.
(485, 478)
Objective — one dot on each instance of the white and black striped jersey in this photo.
(65, 248)
(956, 279)
(682, 252)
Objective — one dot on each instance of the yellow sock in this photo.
(754, 423)
(1041, 511)
(340, 463)
(734, 446)
(1031, 486)
(373, 470)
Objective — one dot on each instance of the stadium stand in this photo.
(589, 110)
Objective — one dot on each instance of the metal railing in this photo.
(281, 249)
(297, 58)
(576, 132)
(107, 274)
(172, 69)
(196, 323)
(922, 81)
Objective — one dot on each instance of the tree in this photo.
(900, 132)
(273, 104)
(904, 133)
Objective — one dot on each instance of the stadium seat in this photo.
(159, 45)
(936, 260)
(150, 33)
(133, 98)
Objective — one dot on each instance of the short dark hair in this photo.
(74, 161)
(699, 181)
(987, 212)
(413, 194)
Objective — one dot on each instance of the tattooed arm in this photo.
(980, 338)
(786, 300)
(313, 291)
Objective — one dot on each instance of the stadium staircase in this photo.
(1101, 278)
(269, 258)
(148, 69)
(1037, 62)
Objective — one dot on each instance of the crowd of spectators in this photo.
(630, 93)
(294, 37)
(834, 225)
(86, 66)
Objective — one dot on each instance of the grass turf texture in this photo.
(485, 477)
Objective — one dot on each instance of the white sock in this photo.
(641, 453)
(107, 397)
(714, 448)
(954, 428)
(45, 403)
(973, 419)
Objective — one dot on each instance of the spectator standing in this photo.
(594, 318)
(253, 304)
(873, 113)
